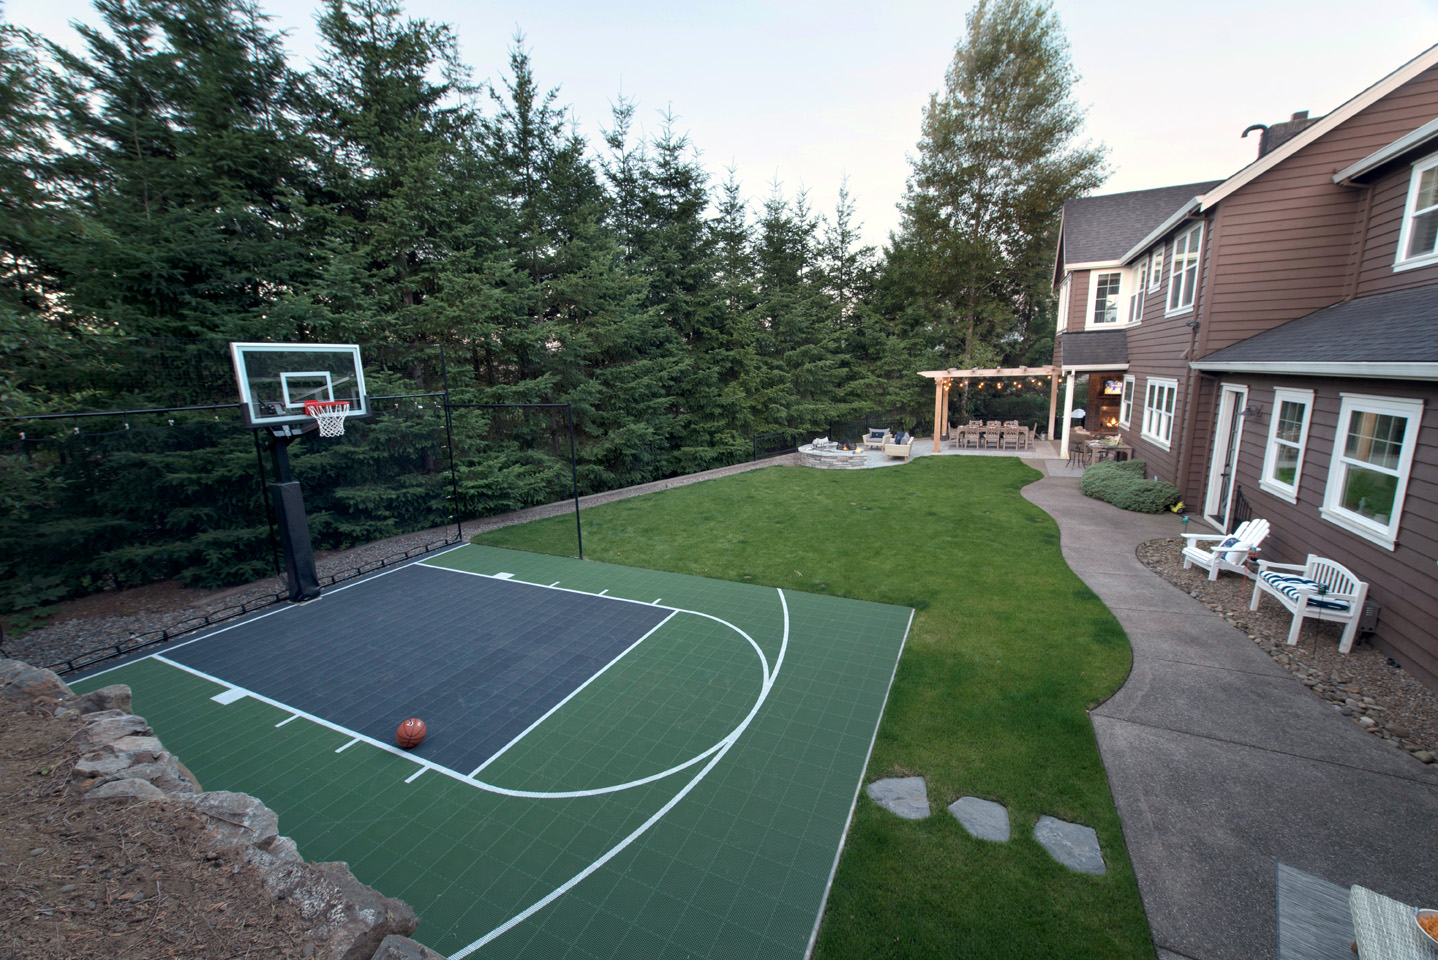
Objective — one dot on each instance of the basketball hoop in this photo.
(329, 414)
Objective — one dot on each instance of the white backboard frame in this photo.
(286, 403)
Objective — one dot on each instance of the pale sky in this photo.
(806, 92)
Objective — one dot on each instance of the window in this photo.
(1125, 405)
(1158, 410)
(1418, 239)
(1140, 283)
(1287, 438)
(1105, 297)
(1155, 272)
(1063, 311)
(1373, 451)
(1183, 274)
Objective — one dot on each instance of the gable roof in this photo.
(1392, 335)
(1425, 60)
(1102, 229)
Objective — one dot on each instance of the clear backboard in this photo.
(275, 380)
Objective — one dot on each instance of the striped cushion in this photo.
(1293, 587)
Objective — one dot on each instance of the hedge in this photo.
(1122, 483)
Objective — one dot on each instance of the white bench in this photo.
(1320, 589)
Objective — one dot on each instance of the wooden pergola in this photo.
(944, 378)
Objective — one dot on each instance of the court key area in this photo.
(619, 762)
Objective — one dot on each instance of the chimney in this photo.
(1276, 135)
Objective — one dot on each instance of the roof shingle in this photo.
(1099, 229)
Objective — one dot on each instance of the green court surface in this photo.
(690, 800)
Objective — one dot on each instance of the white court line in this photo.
(415, 776)
(642, 828)
(246, 619)
(321, 721)
(602, 592)
(293, 716)
(553, 586)
(348, 745)
(572, 694)
(504, 576)
(656, 601)
(844, 837)
(227, 697)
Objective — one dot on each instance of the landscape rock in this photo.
(235, 818)
(101, 730)
(23, 683)
(1071, 844)
(351, 919)
(905, 796)
(984, 819)
(129, 788)
(114, 697)
(403, 948)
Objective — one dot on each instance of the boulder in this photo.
(351, 919)
(403, 948)
(114, 697)
(21, 682)
(128, 789)
(233, 818)
(101, 730)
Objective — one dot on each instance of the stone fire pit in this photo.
(832, 458)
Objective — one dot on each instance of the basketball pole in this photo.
(300, 575)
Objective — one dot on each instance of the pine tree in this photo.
(998, 156)
(186, 171)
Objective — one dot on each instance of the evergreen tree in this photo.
(998, 156)
(186, 172)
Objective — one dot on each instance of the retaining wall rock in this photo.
(120, 758)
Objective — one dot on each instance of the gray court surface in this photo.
(477, 658)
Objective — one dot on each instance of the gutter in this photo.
(1368, 370)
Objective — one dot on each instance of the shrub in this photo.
(1122, 484)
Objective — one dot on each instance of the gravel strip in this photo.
(1365, 684)
(72, 637)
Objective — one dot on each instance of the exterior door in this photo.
(1224, 461)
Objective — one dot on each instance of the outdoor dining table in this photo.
(1385, 929)
(1111, 451)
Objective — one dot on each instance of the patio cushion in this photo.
(1293, 587)
(876, 434)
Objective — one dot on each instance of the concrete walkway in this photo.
(1222, 764)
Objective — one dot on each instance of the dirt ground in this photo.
(117, 878)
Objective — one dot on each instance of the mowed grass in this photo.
(1008, 651)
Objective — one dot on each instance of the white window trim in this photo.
(1120, 320)
(1266, 480)
(1062, 322)
(1125, 401)
(1400, 262)
(1157, 414)
(1155, 270)
(1332, 511)
(1175, 276)
(1138, 289)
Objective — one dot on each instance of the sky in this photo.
(806, 93)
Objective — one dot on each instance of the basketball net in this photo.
(329, 414)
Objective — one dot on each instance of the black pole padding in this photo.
(300, 573)
(574, 474)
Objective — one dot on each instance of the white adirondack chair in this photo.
(1228, 551)
(1320, 589)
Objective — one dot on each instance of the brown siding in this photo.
(1404, 580)
(1078, 300)
(1375, 272)
(1287, 238)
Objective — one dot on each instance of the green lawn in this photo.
(1008, 651)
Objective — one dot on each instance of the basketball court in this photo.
(619, 762)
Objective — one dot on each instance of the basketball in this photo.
(410, 733)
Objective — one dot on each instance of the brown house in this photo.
(1269, 342)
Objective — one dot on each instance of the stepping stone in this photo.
(906, 796)
(982, 818)
(1071, 844)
